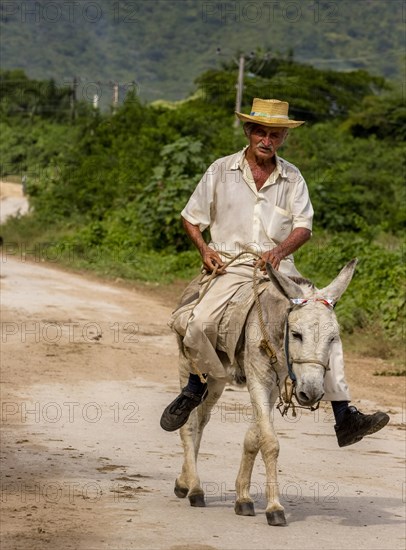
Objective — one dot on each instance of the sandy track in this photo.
(9, 189)
(12, 200)
(86, 371)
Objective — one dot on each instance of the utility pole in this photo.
(115, 96)
(240, 82)
(73, 98)
(240, 86)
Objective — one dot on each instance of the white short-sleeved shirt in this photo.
(239, 216)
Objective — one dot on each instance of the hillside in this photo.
(159, 47)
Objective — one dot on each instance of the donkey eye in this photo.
(297, 335)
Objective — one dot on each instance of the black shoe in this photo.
(177, 413)
(355, 425)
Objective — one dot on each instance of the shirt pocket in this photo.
(279, 226)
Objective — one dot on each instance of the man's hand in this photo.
(211, 260)
(293, 242)
(273, 257)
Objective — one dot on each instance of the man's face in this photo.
(265, 141)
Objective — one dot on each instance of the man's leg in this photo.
(200, 344)
(351, 424)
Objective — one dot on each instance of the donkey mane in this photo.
(302, 281)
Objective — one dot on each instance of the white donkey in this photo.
(292, 309)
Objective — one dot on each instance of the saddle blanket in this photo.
(232, 321)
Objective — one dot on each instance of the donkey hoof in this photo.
(244, 508)
(276, 518)
(197, 500)
(180, 491)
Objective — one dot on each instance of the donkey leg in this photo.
(275, 512)
(269, 448)
(263, 400)
(188, 483)
(244, 505)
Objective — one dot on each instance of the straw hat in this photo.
(270, 112)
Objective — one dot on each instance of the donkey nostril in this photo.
(303, 396)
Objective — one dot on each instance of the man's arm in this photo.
(293, 242)
(210, 257)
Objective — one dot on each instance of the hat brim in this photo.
(277, 122)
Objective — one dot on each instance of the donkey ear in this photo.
(282, 282)
(336, 288)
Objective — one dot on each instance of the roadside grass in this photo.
(371, 342)
(26, 239)
(390, 373)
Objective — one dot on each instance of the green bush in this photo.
(376, 295)
(354, 182)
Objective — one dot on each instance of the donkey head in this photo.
(311, 329)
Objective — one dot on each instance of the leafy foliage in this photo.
(22, 96)
(383, 116)
(378, 287)
(355, 183)
(36, 124)
(172, 183)
(314, 94)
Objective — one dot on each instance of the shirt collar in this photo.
(280, 169)
(239, 160)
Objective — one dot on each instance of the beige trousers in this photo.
(202, 330)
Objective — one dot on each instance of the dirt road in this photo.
(87, 368)
(12, 200)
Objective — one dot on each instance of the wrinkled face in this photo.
(313, 329)
(265, 141)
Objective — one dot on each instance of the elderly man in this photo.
(253, 199)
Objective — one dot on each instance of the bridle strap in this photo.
(286, 400)
(292, 375)
(290, 360)
(315, 361)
